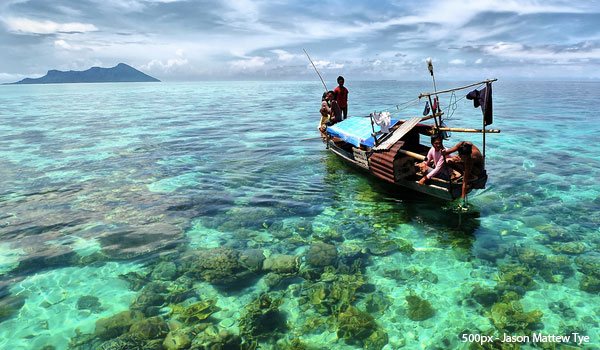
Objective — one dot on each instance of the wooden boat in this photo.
(391, 156)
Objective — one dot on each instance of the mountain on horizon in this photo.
(120, 73)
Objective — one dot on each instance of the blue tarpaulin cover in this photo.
(356, 131)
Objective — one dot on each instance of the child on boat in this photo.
(330, 111)
(434, 164)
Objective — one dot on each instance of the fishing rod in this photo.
(316, 70)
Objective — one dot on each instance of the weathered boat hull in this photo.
(388, 167)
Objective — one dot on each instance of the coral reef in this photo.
(217, 266)
(195, 312)
(89, 302)
(419, 309)
(509, 317)
(354, 324)
(517, 275)
(261, 319)
(484, 296)
(165, 271)
(216, 338)
(590, 284)
(382, 245)
(178, 339)
(589, 263)
(321, 254)
(150, 299)
(334, 293)
(149, 328)
(571, 248)
(282, 264)
(359, 327)
(112, 327)
(252, 259)
(411, 274)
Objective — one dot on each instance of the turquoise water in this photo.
(155, 197)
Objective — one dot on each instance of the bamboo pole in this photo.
(487, 131)
(423, 94)
(412, 154)
(431, 116)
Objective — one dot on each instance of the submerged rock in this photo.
(217, 266)
(509, 317)
(252, 259)
(419, 309)
(517, 275)
(262, 319)
(358, 327)
(112, 327)
(10, 306)
(149, 328)
(589, 264)
(165, 270)
(386, 246)
(355, 325)
(89, 302)
(177, 340)
(321, 254)
(151, 299)
(590, 284)
(572, 248)
(195, 312)
(484, 296)
(125, 341)
(213, 337)
(283, 264)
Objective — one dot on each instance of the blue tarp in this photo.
(356, 131)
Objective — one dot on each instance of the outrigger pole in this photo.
(424, 94)
(316, 70)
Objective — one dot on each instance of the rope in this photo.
(453, 103)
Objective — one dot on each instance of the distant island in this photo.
(120, 73)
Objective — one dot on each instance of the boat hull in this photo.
(402, 185)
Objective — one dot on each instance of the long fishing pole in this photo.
(316, 70)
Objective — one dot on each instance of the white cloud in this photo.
(519, 51)
(324, 64)
(457, 61)
(250, 63)
(29, 26)
(285, 56)
(166, 65)
(478, 61)
(64, 45)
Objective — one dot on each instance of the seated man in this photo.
(434, 164)
(469, 162)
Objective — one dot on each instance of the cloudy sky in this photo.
(186, 40)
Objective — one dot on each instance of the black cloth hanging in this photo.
(483, 98)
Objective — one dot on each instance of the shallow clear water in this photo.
(101, 180)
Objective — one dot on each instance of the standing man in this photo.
(341, 96)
